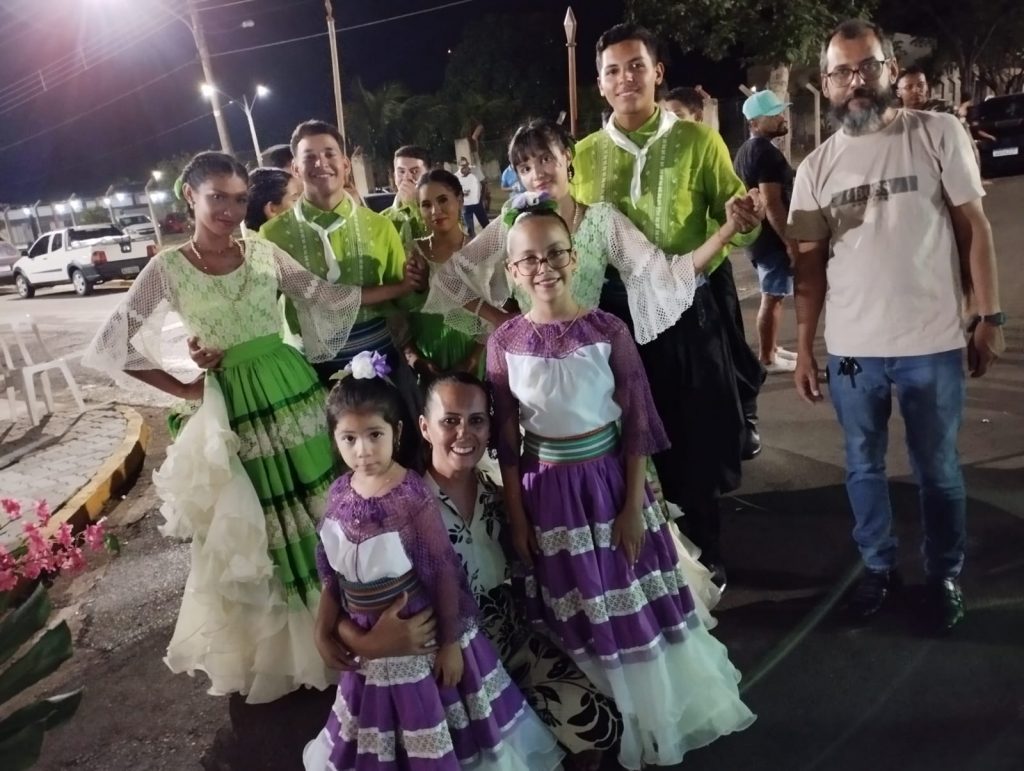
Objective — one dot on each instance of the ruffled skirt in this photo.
(392, 714)
(633, 630)
(245, 481)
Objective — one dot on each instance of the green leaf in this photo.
(51, 712)
(21, 750)
(112, 544)
(48, 653)
(20, 624)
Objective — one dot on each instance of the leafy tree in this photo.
(377, 123)
(983, 37)
(758, 31)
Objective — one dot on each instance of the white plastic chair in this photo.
(24, 375)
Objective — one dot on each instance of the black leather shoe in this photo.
(718, 575)
(947, 603)
(751, 440)
(871, 592)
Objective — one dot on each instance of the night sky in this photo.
(121, 76)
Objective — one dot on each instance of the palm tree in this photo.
(377, 119)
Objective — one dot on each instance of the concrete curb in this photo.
(86, 505)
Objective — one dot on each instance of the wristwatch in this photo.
(995, 319)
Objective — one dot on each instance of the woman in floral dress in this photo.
(247, 476)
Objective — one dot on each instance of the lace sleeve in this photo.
(326, 311)
(328, 578)
(473, 274)
(659, 287)
(435, 562)
(642, 430)
(506, 406)
(130, 339)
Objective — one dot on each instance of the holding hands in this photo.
(746, 212)
(417, 275)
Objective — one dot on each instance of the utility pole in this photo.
(570, 44)
(332, 36)
(204, 59)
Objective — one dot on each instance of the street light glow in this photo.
(262, 91)
(26, 211)
(75, 204)
(157, 175)
(60, 208)
(121, 196)
(106, 201)
(206, 89)
(158, 195)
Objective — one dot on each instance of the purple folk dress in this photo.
(579, 393)
(392, 713)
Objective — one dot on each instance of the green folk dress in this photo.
(274, 406)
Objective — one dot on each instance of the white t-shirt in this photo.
(470, 188)
(880, 200)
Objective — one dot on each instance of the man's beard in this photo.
(865, 120)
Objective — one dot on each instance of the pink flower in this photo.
(65, 538)
(73, 561)
(8, 579)
(43, 512)
(33, 567)
(94, 535)
(12, 507)
(6, 560)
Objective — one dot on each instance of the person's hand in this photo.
(745, 212)
(806, 378)
(204, 358)
(628, 532)
(392, 635)
(417, 275)
(406, 192)
(332, 650)
(448, 665)
(524, 540)
(193, 392)
(984, 347)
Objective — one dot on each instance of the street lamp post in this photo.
(204, 59)
(570, 44)
(245, 103)
(156, 176)
(332, 37)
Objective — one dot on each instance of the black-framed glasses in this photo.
(869, 70)
(556, 260)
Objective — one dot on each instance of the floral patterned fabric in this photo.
(579, 715)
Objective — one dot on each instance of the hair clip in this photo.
(366, 365)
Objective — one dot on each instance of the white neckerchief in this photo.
(333, 269)
(640, 153)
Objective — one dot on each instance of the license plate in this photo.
(1002, 152)
(129, 271)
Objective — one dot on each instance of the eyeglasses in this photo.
(556, 260)
(869, 70)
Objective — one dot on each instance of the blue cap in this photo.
(763, 103)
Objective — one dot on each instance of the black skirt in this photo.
(693, 381)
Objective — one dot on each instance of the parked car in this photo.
(137, 225)
(1002, 118)
(85, 255)
(175, 222)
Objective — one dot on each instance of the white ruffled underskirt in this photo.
(235, 622)
(684, 698)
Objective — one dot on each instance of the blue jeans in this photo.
(477, 211)
(930, 390)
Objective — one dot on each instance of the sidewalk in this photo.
(72, 461)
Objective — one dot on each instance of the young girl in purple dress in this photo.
(576, 424)
(382, 536)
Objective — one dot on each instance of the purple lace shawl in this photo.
(410, 510)
(642, 430)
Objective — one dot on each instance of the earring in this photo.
(571, 171)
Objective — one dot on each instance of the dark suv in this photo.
(998, 125)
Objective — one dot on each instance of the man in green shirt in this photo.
(670, 178)
(332, 236)
(411, 163)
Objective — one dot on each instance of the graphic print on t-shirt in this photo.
(880, 191)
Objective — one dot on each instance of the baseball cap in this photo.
(762, 103)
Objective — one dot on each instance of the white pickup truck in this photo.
(85, 255)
